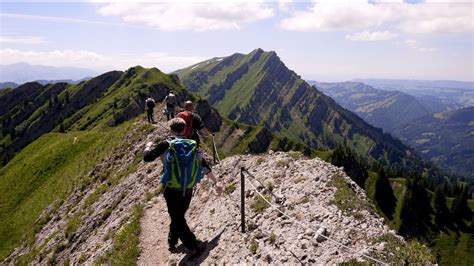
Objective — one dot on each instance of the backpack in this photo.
(171, 99)
(150, 103)
(187, 116)
(182, 165)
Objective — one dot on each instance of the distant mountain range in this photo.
(429, 124)
(448, 91)
(13, 85)
(384, 109)
(5, 85)
(447, 138)
(22, 72)
(381, 108)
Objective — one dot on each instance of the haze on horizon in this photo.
(324, 41)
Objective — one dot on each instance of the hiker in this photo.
(149, 105)
(170, 100)
(183, 167)
(194, 124)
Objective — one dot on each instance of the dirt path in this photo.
(154, 234)
(154, 226)
(155, 221)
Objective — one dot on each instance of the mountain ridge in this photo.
(258, 88)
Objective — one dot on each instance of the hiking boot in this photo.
(195, 252)
(172, 249)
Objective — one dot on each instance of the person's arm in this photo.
(199, 125)
(205, 130)
(210, 175)
(150, 153)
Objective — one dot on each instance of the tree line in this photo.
(421, 213)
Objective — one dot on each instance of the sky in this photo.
(329, 40)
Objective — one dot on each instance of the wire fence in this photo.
(310, 227)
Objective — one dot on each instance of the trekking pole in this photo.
(242, 199)
(214, 149)
(216, 154)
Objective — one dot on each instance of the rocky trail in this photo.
(153, 237)
(303, 188)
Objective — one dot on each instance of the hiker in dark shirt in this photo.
(194, 124)
(170, 109)
(178, 195)
(149, 105)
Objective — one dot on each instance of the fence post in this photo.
(242, 199)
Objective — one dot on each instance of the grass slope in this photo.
(45, 172)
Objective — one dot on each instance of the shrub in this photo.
(253, 246)
(230, 188)
(259, 205)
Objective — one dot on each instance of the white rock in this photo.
(320, 234)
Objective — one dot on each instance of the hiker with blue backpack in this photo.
(183, 167)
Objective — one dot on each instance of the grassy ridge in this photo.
(44, 172)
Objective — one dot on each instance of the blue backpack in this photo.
(182, 165)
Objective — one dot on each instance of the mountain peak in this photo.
(258, 88)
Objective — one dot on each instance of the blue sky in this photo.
(325, 41)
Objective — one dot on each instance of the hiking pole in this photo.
(242, 199)
(216, 154)
(214, 151)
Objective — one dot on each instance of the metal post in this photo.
(242, 198)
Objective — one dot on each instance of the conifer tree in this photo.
(460, 209)
(384, 194)
(12, 133)
(66, 96)
(345, 158)
(442, 213)
(61, 127)
(416, 211)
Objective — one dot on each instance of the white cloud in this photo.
(371, 36)
(284, 5)
(58, 19)
(164, 61)
(51, 58)
(417, 46)
(93, 60)
(189, 16)
(23, 39)
(335, 16)
(428, 17)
